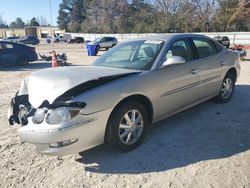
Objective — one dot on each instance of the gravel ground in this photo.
(206, 146)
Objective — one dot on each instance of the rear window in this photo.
(205, 47)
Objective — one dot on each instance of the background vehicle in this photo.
(61, 37)
(77, 40)
(105, 42)
(30, 40)
(11, 39)
(16, 54)
(134, 84)
(224, 40)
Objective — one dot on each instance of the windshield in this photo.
(136, 55)
(97, 40)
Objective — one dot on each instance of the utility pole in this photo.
(51, 21)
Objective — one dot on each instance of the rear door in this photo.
(179, 85)
(210, 66)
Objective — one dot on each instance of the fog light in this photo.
(63, 143)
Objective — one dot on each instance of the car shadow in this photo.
(206, 132)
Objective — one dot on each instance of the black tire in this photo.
(97, 49)
(22, 60)
(114, 130)
(113, 45)
(222, 98)
(227, 46)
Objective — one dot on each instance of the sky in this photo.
(27, 9)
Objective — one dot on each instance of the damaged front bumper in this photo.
(78, 134)
(82, 133)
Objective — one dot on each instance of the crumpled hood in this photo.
(48, 84)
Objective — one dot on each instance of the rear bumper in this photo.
(87, 133)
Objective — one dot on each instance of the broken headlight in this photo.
(39, 116)
(60, 115)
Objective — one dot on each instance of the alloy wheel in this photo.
(131, 127)
(227, 88)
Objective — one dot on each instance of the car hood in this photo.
(48, 84)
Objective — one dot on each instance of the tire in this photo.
(227, 89)
(97, 49)
(123, 136)
(227, 46)
(22, 60)
(113, 45)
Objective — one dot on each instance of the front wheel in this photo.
(128, 125)
(227, 89)
(97, 49)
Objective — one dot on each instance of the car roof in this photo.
(170, 36)
(13, 43)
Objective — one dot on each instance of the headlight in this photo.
(60, 115)
(39, 116)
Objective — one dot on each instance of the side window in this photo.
(8, 46)
(204, 47)
(109, 39)
(180, 48)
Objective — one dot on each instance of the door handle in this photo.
(222, 63)
(194, 71)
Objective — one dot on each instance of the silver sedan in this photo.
(137, 83)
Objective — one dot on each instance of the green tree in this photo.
(17, 24)
(71, 14)
(33, 22)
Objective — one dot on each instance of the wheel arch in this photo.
(232, 71)
(136, 97)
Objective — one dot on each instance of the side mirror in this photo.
(174, 60)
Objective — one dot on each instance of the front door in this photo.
(179, 85)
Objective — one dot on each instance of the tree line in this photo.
(154, 16)
(19, 23)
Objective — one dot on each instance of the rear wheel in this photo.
(227, 88)
(128, 125)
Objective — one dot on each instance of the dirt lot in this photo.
(206, 146)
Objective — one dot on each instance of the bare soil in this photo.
(206, 146)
